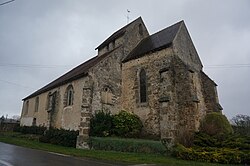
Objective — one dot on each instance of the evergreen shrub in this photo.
(127, 124)
(212, 154)
(233, 149)
(101, 124)
(215, 123)
(123, 124)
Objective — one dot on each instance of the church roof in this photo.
(76, 73)
(116, 34)
(155, 42)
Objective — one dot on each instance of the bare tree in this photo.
(16, 117)
(241, 124)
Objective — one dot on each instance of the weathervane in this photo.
(128, 11)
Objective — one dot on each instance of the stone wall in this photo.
(41, 115)
(66, 117)
(189, 99)
(149, 112)
(198, 97)
(210, 94)
(107, 75)
(134, 34)
(175, 98)
(112, 45)
(86, 113)
(184, 48)
(26, 121)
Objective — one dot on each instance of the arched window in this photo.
(69, 95)
(143, 86)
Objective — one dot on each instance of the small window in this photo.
(34, 122)
(107, 47)
(143, 86)
(106, 96)
(36, 104)
(69, 95)
(113, 43)
(50, 101)
(140, 30)
(26, 109)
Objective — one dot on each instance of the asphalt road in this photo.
(11, 155)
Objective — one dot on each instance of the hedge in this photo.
(127, 145)
(60, 137)
(53, 136)
(38, 130)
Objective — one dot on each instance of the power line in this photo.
(228, 66)
(4, 3)
(32, 65)
(54, 66)
(64, 66)
(13, 83)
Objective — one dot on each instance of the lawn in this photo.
(138, 158)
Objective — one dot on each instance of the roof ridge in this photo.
(169, 27)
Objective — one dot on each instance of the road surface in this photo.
(11, 155)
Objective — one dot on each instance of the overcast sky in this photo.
(42, 39)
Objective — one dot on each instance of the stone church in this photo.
(158, 77)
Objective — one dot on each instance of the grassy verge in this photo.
(31, 142)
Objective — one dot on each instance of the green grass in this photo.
(31, 142)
